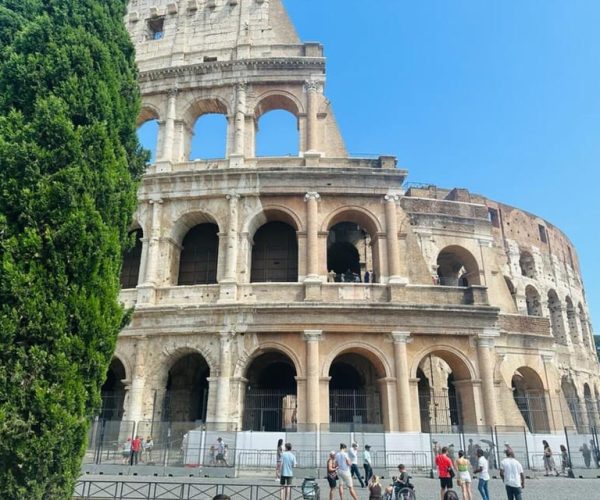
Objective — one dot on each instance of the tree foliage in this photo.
(69, 163)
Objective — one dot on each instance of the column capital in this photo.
(547, 357)
(233, 197)
(158, 201)
(241, 86)
(392, 198)
(313, 86)
(488, 337)
(310, 195)
(401, 337)
(173, 91)
(313, 335)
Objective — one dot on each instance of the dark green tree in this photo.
(69, 165)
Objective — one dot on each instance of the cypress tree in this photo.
(69, 165)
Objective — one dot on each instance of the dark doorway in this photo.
(198, 261)
(113, 392)
(424, 400)
(275, 254)
(342, 256)
(131, 261)
(349, 251)
(270, 402)
(187, 390)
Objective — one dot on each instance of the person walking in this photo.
(565, 463)
(464, 476)
(278, 463)
(288, 462)
(367, 463)
(484, 475)
(445, 471)
(136, 449)
(332, 476)
(354, 471)
(343, 472)
(511, 472)
(549, 464)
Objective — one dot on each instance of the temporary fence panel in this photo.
(583, 447)
(108, 442)
(480, 437)
(515, 438)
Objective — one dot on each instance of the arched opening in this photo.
(442, 394)
(589, 406)
(209, 139)
(585, 332)
(132, 258)
(198, 260)
(532, 299)
(270, 401)
(113, 392)
(349, 252)
(275, 254)
(187, 390)
(556, 318)
(511, 289)
(354, 397)
(528, 394)
(457, 267)
(572, 400)
(527, 264)
(147, 133)
(572, 320)
(277, 134)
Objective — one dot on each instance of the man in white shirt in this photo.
(343, 472)
(511, 473)
(368, 464)
(353, 455)
(484, 474)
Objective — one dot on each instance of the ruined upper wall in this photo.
(172, 33)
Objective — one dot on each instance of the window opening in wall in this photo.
(209, 59)
(528, 394)
(198, 260)
(186, 394)
(543, 235)
(156, 28)
(132, 257)
(527, 265)
(570, 257)
(457, 267)
(532, 299)
(148, 136)
(275, 254)
(209, 139)
(349, 254)
(277, 134)
(493, 217)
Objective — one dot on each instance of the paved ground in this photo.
(541, 488)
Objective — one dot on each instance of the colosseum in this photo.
(322, 293)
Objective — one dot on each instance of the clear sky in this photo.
(500, 97)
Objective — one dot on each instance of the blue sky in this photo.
(500, 97)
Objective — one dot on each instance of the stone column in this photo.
(151, 277)
(393, 248)
(403, 394)
(239, 131)
(312, 90)
(232, 238)
(223, 398)
(169, 130)
(312, 234)
(313, 410)
(486, 358)
(134, 410)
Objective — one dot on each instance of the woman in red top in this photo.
(445, 471)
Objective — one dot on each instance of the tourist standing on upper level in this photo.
(511, 473)
(354, 471)
(288, 462)
(344, 476)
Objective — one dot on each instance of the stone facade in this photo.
(473, 302)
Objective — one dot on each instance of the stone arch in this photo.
(270, 400)
(148, 112)
(356, 394)
(572, 320)
(511, 289)
(456, 266)
(556, 317)
(187, 220)
(447, 399)
(277, 99)
(203, 106)
(161, 364)
(589, 405)
(529, 395)
(356, 214)
(585, 331)
(113, 390)
(527, 264)
(132, 260)
(573, 402)
(272, 213)
(247, 358)
(532, 299)
(376, 356)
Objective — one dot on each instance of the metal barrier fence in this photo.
(132, 489)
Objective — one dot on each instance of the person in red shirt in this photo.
(136, 449)
(444, 466)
